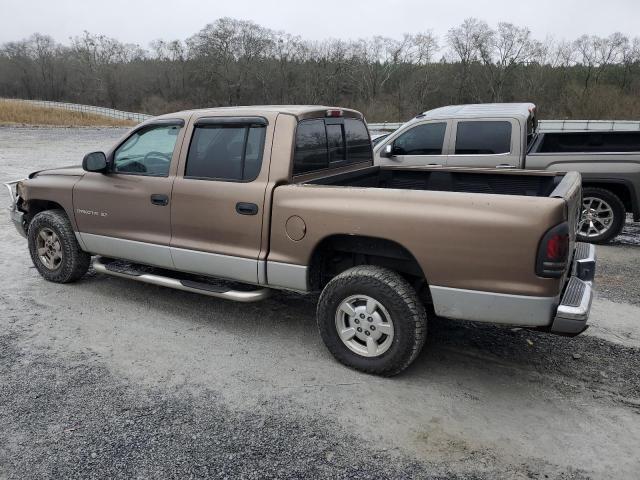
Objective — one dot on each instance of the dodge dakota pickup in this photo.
(236, 202)
(507, 136)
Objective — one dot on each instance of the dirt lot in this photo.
(107, 378)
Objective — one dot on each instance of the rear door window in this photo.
(325, 143)
(483, 138)
(229, 153)
(426, 139)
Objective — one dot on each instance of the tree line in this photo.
(237, 62)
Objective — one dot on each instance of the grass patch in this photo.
(19, 113)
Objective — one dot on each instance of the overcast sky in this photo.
(140, 21)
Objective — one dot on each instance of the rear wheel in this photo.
(603, 216)
(371, 319)
(54, 249)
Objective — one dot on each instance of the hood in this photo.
(67, 171)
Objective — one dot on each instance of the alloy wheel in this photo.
(49, 248)
(364, 325)
(596, 218)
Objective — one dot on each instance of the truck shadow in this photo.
(497, 351)
(630, 234)
(542, 357)
(453, 348)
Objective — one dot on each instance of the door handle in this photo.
(505, 165)
(244, 208)
(160, 199)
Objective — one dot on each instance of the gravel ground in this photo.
(74, 419)
(108, 378)
(619, 266)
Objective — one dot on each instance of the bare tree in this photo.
(466, 43)
(19, 56)
(597, 53)
(503, 51)
(630, 59)
(231, 62)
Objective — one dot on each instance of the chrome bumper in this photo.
(573, 312)
(17, 217)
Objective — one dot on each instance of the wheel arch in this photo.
(338, 252)
(623, 189)
(34, 206)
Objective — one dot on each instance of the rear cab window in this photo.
(325, 143)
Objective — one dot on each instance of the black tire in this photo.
(619, 215)
(398, 298)
(74, 262)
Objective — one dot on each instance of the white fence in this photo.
(551, 126)
(543, 125)
(105, 112)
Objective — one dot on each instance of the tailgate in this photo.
(570, 190)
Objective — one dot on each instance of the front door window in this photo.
(147, 152)
(425, 139)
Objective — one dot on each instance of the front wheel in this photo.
(372, 320)
(54, 249)
(603, 216)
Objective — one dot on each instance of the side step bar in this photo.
(184, 285)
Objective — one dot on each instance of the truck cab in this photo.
(461, 136)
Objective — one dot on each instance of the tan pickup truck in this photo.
(236, 202)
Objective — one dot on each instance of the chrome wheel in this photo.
(596, 219)
(364, 325)
(49, 248)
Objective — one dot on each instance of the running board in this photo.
(143, 274)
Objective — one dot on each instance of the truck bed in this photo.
(536, 184)
(466, 228)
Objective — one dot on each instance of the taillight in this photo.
(553, 252)
(557, 247)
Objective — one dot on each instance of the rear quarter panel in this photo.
(461, 240)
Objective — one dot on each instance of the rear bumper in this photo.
(584, 262)
(573, 312)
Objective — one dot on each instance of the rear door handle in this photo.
(160, 199)
(244, 208)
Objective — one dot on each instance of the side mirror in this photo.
(387, 151)
(95, 162)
